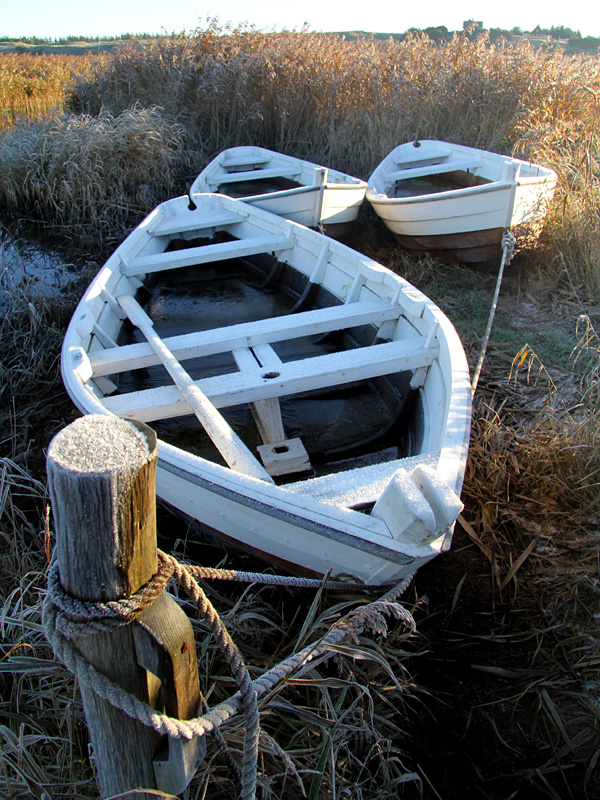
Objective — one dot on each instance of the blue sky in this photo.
(56, 18)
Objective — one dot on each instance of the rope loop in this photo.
(86, 617)
(66, 617)
(508, 246)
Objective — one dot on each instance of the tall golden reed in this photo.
(342, 103)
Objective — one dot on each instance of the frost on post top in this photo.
(99, 443)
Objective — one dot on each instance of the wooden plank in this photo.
(361, 485)
(192, 221)
(104, 464)
(266, 413)
(227, 442)
(243, 161)
(422, 154)
(247, 334)
(293, 377)
(193, 256)
(434, 169)
(253, 175)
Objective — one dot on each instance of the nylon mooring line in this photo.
(508, 248)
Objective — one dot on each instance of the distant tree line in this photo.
(575, 42)
(46, 40)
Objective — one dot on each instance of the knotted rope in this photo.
(66, 618)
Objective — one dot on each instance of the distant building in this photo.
(470, 22)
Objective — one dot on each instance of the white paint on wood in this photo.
(251, 334)
(332, 369)
(231, 447)
(194, 256)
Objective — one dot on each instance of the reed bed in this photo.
(32, 85)
(510, 632)
(341, 103)
(84, 175)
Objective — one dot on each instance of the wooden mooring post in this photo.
(101, 473)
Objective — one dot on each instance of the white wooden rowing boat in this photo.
(336, 396)
(454, 201)
(307, 193)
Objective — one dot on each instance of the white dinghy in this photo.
(455, 202)
(307, 193)
(312, 406)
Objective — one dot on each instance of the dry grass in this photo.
(520, 589)
(31, 85)
(342, 103)
(86, 175)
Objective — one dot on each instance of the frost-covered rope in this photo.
(508, 248)
(97, 617)
(215, 573)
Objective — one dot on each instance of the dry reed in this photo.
(531, 488)
(342, 103)
(31, 85)
(87, 175)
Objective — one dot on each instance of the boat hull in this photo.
(371, 520)
(459, 209)
(472, 247)
(322, 198)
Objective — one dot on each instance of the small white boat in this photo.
(311, 406)
(456, 202)
(303, 192)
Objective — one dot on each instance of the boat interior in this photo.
(296, 335)
(339, 426)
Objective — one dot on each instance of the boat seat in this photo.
(293, 377)
(422, 155)
(253, 175)
(434, 169)
(183, 223)
(353, 488)
(244, 161)
(247, 334)
(194, 256)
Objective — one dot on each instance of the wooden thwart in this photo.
(193, 256)
(245, 161)
(247, 334)
(291, 378)
(183, 223)
(253, 175)
(434, 169)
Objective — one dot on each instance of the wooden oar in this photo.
(229, 444)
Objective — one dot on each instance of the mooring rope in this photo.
(66, 618)
(508, 248)
(216, 573)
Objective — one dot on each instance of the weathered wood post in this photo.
(101, 473)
